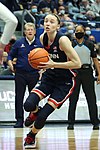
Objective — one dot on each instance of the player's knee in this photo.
(31, 102)
(29, 106)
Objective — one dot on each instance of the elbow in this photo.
(79, 64)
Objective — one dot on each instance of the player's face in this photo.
(51, 23)
(30, 32)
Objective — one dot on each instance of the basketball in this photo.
(36, 56)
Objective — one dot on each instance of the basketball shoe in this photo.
(30, 141)
(31, 118)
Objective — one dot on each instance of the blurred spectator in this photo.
(65, 19)
(92, 39)
(87, 32)
(12, 5)
(96, 7)
(60, 3)
(73, 8)
(91, 19)
(25, 4)
(84, 6)
(35, 15)
(9, 45)
(4, 59)
(70, 32)
(4, 68)
(90, 15)
(7, 71)
(35, 2)
(49, 4)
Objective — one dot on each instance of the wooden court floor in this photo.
(52, 137)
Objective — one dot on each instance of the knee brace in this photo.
(42, 116)
(31, 102)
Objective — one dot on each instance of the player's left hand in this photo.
(47, 65)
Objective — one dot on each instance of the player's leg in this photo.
(30, 141)
(56, 99)
(10, 23)
(31, 105)
(32, 102)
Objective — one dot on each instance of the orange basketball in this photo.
(36, 56)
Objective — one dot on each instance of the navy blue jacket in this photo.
(20, 50)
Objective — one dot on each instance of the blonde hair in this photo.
(29, 24)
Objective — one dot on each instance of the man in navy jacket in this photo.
(25, 75)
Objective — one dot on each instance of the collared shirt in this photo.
(30, 42)
(20, 50)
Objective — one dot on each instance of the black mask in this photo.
(79, 35)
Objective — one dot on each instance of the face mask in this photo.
(46, 13)
(71, 31)
(62, 12)
(88, 32)
(79, 35)
(34, 10)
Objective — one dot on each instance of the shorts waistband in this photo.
(85, 66)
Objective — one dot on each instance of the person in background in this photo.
(5, 70)
(70, 32)
(49, 4)
(86, 52)
(4, 64)
(10, 26)
(25, 75)
(9, 45)
(87, 32)
(57, 81)
(35, 15)
(92, 39)
(95, 6)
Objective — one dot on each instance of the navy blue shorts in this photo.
(58, 91)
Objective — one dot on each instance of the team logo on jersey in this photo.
(55, 48)
(22, 45)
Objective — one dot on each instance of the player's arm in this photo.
(74, 60)
(41, 37)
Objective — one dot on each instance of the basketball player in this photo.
(10, 25)
(57, 81)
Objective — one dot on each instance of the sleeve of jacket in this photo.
(14, 51)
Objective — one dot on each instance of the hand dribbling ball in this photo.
(36, 56)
